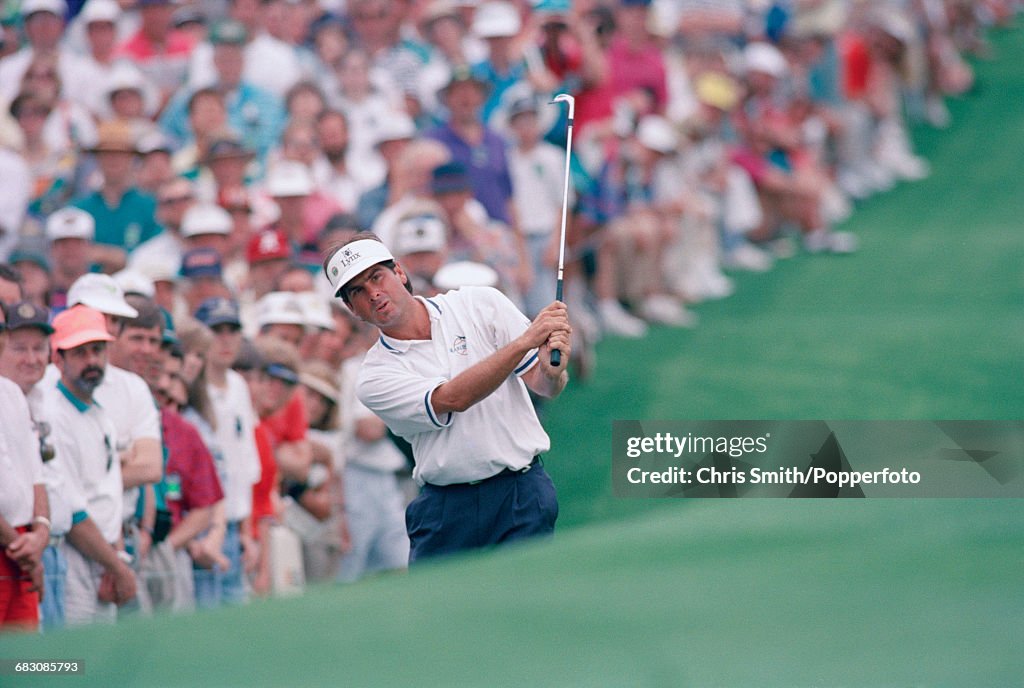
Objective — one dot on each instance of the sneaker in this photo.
(667, 311)
(824, 241)
(748, 257)
(617, 321)
(936, 112)
(781, 247)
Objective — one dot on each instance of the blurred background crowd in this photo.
(173, 173)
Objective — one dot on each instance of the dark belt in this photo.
(506, 473)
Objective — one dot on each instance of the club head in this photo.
(565, 98)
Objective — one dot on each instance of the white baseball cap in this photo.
(766, 58)
(397, 126)
(70, 223)
(134, 282)
(101, 293)
(657, 133)
(316, 309)
(280, 308)
(100, 11)
(205, 218)
(496, 19)
(419, 233)
(289, 178)
(351, 259)
(158, 268)
(465, 273)
(57, 7)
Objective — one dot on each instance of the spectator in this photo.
(24, 511)
(258, 116)
(30, 260)
(44, 29)
(191, 489)
(98, 577)
(125, 216)
(70, 232)
(160, 50)
(23, 361)
(173, 200)
(234, 428)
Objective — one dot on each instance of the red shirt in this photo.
(262, 492)
(287, 425)
(189, 459)
(140, 49)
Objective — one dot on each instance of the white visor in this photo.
(352, 259)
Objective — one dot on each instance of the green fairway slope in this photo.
(925, 322)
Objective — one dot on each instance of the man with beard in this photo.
(98, 577)
(344, 182)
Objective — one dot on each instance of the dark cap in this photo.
(450, 177)
(281, 372)
(228, 32)
(218, 311)
(201, 262)
(31, 249)
(24, 314)
(227, 147)
(521, 106)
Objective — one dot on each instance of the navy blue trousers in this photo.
(507, 507)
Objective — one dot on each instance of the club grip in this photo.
(556, 355)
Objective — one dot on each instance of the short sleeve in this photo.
(400, 398)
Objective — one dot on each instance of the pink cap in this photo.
(79, 325)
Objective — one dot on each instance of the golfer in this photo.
(450, 375)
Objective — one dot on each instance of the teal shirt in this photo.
(126, 226)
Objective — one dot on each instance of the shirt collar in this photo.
(80, 405)
(400, 346)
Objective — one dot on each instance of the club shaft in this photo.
(556, 355)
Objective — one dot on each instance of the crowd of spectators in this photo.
(179, 422)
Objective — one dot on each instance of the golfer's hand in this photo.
(562, 341)
(553, 318)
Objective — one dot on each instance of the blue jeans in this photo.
(52, 607)
(215, 587)
(374, 509)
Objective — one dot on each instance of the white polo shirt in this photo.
(86, 440)
(130, 405)
(235, 435)
(64, 499)
(399, 377)
(21, 467)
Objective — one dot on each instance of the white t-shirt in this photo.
(235, 433)
(64, 500)
(130, 405)
(21, 467)
(399, 377)
(86, 440)
(538, 179)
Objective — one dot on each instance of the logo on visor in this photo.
(348, 256)
(334, 271)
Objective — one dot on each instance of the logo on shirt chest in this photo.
(459, 346)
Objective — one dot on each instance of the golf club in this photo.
(556, 355)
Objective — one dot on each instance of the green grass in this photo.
(925, 322)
